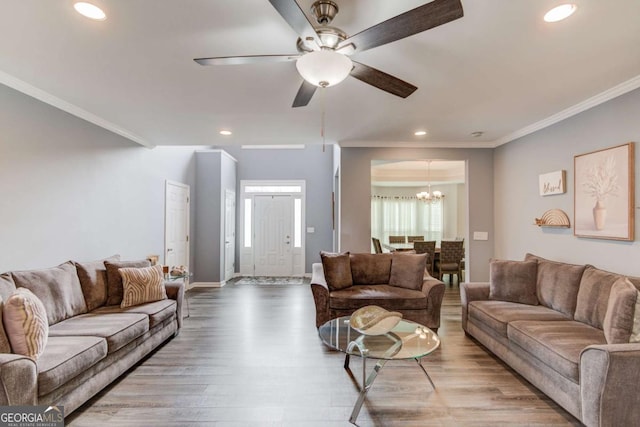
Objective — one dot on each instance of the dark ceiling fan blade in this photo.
(304, 95)
(382, 80)
(295, 17)
(415, 21)
(250, 59)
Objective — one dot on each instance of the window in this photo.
(273, 189)
(406, 216)
(297, 223)
(247, 223)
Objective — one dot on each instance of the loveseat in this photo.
(91, 340)
(568, 329)
(343, 283)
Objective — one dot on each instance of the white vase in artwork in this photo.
(599, 215)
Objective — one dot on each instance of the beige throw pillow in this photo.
(114, 280)
(141, 285)
(635, 331)
(25, 321)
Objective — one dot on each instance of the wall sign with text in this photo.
(553, 183)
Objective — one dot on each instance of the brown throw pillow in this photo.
(93, 279)
(408, 270)
(513, 281)
(337, 270)
(621, 308)
(114, 280)
(25, 321)
(141, 285)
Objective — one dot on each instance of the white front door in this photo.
(273, 235)
(229, 234)
(176, 248)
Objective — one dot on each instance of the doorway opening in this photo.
(272, 220)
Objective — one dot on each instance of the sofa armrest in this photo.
(610, 384)
(472, 291)
(320, 292)
(175, 291)
(18, 380)
(434, 290)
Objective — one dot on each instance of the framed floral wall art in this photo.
(604, 193)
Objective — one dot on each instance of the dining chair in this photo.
(397, 239)
(451, 256)
(412, 239)
(422, 247)
(377, 247)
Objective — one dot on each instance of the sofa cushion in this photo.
(66, 357)
(556, 344)
(497, 314)
(370, 269)
(593, 295)
(119, 329)
(158, 311)
(385, 296)
(557, 284)
(407, 270)
(114, 280)
(58, 288)
(337, 270)
(619, 319)
(25, 322)
(93, 280)
(7, 286)
(513, 281)
(142, 285)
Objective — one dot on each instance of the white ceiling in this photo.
(500, 69)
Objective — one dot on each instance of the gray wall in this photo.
(72, 190)
(355, 168)
(517, 203)
(310, 164)
(215, 173)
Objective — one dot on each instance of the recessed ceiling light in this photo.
(559, 13)
(420, 133)
(477, 134)
(225, 132)
(90, 11)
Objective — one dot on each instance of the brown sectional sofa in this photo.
(568, 342)
(371, 278)
(89, 344)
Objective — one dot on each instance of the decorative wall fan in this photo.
(323, 57)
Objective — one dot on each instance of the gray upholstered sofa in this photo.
(396, 282)
(89, 344)
(567, 330)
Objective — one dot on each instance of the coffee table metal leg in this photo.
(346, 361)
(365, 388)
(419, 361)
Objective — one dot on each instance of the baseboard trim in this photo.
(206, 285)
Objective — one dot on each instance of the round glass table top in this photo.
(407, 340)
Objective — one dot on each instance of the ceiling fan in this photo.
(323, 57)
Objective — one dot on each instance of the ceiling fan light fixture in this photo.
(324, 68)
(90, 11)
(559, 13)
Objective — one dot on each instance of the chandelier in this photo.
(428, 196)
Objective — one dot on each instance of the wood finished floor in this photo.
(250, 356)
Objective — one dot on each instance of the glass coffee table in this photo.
(407, 340)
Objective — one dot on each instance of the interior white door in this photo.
(176, 224)
(273, 235)
(229, 234)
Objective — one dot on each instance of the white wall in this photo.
(72, 190)
(517, 203)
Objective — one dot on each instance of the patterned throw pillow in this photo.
(25, 321)
(142, 285)
(114, 279)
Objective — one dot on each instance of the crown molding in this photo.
(607, 95)
(415, 144)
(41, 95)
